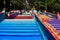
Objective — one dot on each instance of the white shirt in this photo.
(3, 11)
(34, 11)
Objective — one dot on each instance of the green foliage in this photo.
(57, 7)
(50, 5)
(18, 3)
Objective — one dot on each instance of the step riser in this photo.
(20, 34)
(18, 28)
(17, 25)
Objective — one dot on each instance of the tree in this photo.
(50, 5)
(18, 4)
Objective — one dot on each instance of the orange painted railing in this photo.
(49, 27)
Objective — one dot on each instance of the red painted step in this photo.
(23, 17)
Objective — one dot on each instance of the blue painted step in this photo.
(21, 38)
(17, 25)
(19, 30)
(21, 34)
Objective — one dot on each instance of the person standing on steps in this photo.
(4, 10)
(34, 10)
(39, 12)
(3, 13)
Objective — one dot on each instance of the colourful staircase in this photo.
(55, 23)
(19, 29)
